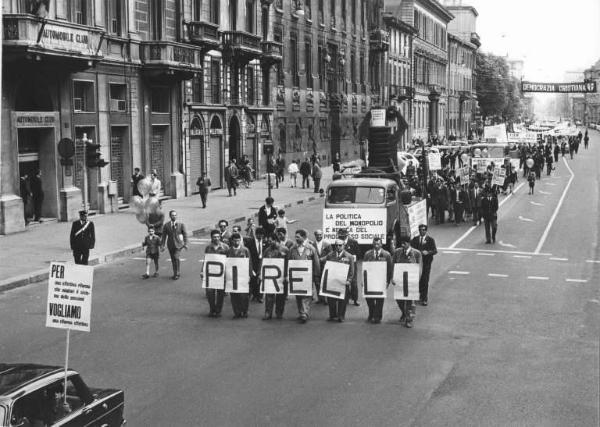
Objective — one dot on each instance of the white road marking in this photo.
(180, 259)
(506, 245)
(522, 256)
(537, 278)
(550, 183)
(485, 254)
(544, 192)
(470, 230)
(459, 272)
(558, 259)
(497, 275)
(451, 252)
(555, 213)
(498, 251)
(139, 258)
(536, 203)
(576, 280)
(525, 219)
(592, 261)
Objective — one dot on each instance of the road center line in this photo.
(555, 213)
(558, 259)
(576, 280)
(537, 278)
(451, 252)
(592, 261)
(470, 230)
(485, 254)
(522, 256)
(496, 251)
(497, 275)
(459, 272)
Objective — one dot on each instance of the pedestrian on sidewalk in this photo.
(174, 235)
(135, 179)
(302, 250)
(280, 168)
(549, 164)
(586, 140)
(405, 254)
(293, 171)
(267, 214)
(25, 193)
(426, 245)
(317, 174)
(37, 194)
(215, 296)
(152, 244)
(282, 221)
(531, 180)
(239, 301)
(489, 211)
(83, 238)
(231, 177)
(274, 250)
(377, 253)
(305, 172)
(337, 307)
(203, 184)
(155, 184)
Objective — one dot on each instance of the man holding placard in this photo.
(337, 280)
(352, 247)
(274, 297)
(240, 298)
(302, 250)
(215, 296)
(406, 280)
(377, 270)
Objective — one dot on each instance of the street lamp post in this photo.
(85, 141)
(269, 167)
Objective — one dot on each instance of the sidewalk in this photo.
(26, 256)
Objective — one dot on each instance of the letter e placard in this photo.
(300, 277)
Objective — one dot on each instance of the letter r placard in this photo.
(272, 275)
(406, 278)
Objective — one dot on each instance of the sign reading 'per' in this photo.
(69, 296)
(362, 224)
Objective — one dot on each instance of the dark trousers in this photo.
(306, 180)
(203, 197)
(337, 307)
(475, 214)
(375, 308)
(317, 184)
(277, 301)
(491, 225)
(424, 280)
(407, 308)
(215, 300)
(239, 304)
(81, 256)
(458, 212)
(37, 206)
(232, 185)
(255, 288)
(353, 290)
(174, 253)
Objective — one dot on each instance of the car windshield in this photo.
(361, 195)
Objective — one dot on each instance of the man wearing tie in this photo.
(475, 198)
(337, 307)
(377, 253)
(351, 246)
(256, 247)
(175, 237)
(408, 255)
(426, 245)
(323, 248)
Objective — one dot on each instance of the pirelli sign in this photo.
(577, 87)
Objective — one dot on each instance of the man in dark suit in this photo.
(489, 212)
(175, 237)
(377, 253)
(322, 248)
(351, 246)
(83, 238)
(426, 245)
(459, 199)
(475, 196)
(256, 246)
(267, 214)
(231, 176)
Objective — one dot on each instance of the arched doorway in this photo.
(214, 152)
(196, 150)
(234, 138)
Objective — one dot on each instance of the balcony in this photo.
(204, 34)
(272, 52)
(475, 39)
(401, 93)
(242, 47)
(171, 60)
(68, 46)
(379, 41)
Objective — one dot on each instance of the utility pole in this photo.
(85, 172)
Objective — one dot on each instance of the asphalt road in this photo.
(510, 336)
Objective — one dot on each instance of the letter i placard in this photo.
(406, 278)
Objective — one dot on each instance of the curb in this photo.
(109, 257)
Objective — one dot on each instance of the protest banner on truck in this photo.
(237, 275)
(374, 276)
(69, 296)
(272, 274)
(362, 224)
(417, 214)
(300, 277)
(406, 280)
(333, 280)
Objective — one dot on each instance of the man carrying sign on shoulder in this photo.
(215, 296)
(337, 307)
(378, 254)
(406, 254)
(273, 249)
(239, 301)
(302, 250)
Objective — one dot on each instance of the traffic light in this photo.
(93, 157)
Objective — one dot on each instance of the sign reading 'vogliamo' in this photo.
(576, 87)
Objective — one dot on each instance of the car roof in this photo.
(17, 375)
(363, 182)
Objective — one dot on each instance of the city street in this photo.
(510, 336)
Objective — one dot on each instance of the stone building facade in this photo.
(592, 100)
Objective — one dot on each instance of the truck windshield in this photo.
(359, 195)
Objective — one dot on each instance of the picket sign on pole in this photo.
(66, 364)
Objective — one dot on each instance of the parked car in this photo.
(33, 395)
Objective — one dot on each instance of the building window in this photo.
(278, 33)
(83, 96)
(353, 11)
(362, 72)
(265, 23)
(114, 16)
(250, 17)
(250, 85)
(118, 97)
(344, 10)
(233, 8)
(81, 11)
(215, 82)
(198, 87)
(280, 75)
(320, 66)
(353, 72)
(235, 85)
(321, 13)
(308, 63)
(332, 12)
(215, 9)
(160, 99)
(294, 62)
(266, 86)
(156, 19)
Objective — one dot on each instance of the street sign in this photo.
(69, 296)
(574, 87)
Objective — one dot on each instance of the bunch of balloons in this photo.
(148, 204)
(529, 162)
(464, 157)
